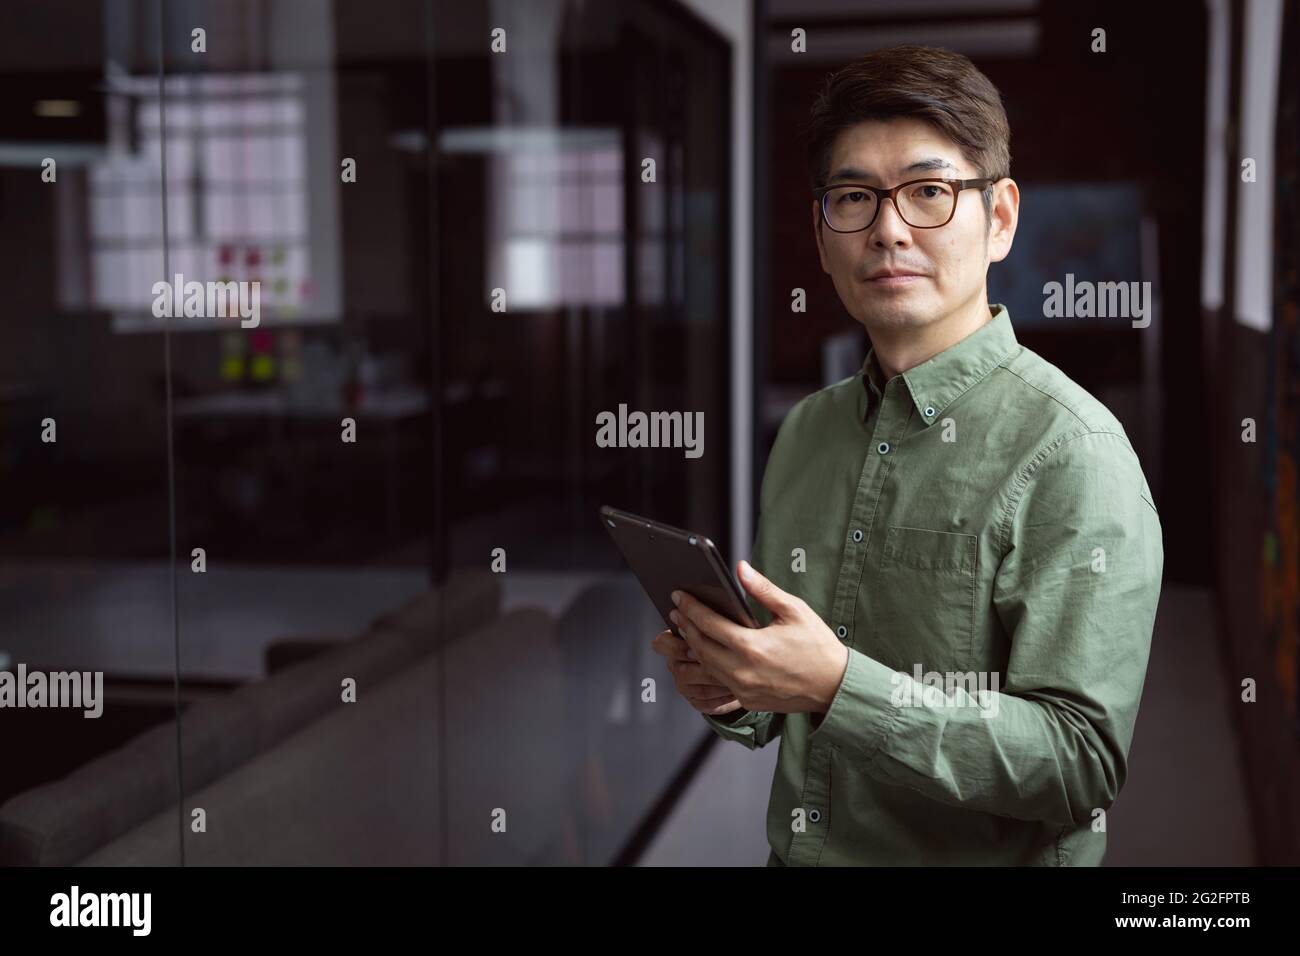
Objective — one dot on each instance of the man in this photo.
(960, 555)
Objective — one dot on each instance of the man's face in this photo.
(949, 264)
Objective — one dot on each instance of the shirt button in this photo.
(857, 535)
(841, 630)
(929, 411)
(883, 447)
(814, 814)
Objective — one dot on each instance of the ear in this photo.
(1003, 218)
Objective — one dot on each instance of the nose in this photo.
(889, 229)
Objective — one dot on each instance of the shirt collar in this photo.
(941, 379)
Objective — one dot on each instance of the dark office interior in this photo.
(495, 274)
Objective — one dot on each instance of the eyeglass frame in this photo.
(821, 192)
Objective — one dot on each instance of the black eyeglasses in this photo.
(921, 203)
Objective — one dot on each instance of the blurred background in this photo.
(444, 204)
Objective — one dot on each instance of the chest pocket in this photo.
(924, 601)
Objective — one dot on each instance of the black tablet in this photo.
(667, 559)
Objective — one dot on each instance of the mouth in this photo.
(897, 280)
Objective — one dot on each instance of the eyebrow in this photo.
(921, 165)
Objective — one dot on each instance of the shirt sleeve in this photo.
(1076, 593)
(754, 728)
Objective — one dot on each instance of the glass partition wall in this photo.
(330, 340)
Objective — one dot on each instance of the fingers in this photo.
(696, 676)
(702, 701)
(701, 688)
(780, 603)
(672, 647)
(710, 692)
(718, 711)
(705, 621)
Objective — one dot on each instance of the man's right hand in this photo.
(702, 690)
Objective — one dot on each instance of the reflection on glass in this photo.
(400, 635)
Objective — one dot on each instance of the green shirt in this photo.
(979, 522)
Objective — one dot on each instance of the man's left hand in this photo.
(794, 665)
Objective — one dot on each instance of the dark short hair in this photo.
(938, 86)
